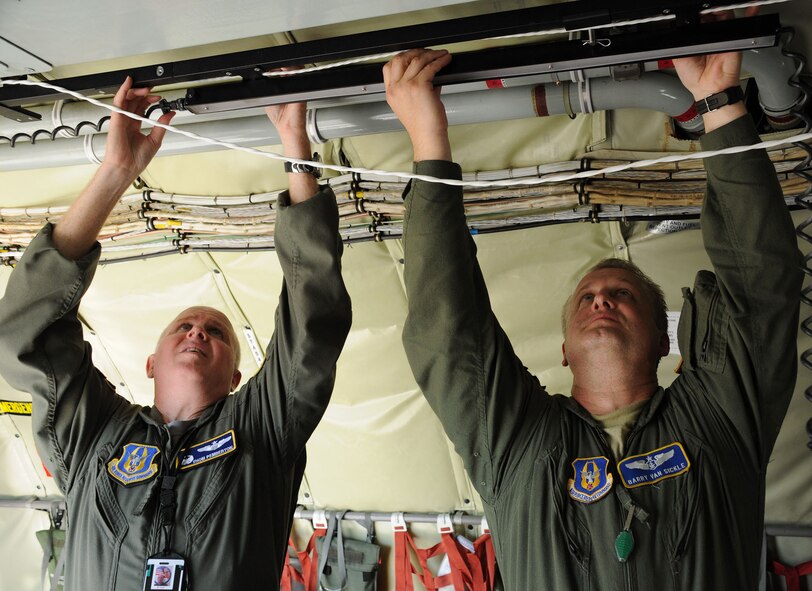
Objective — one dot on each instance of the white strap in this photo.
(398, 523)
(444, 525)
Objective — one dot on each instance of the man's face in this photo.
(610, 309)
(199, 342)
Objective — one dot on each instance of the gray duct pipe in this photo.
(73, 113)
(772, 70)
(369, 118)
(653, 90)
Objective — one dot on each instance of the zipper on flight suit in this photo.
(630, 583)
(706, 341)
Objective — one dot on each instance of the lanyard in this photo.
(167, 499)
(168, 505)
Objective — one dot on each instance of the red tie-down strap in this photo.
(792, 574)
(468, 571)
(289, 572)
(483, 547)
(308, 559)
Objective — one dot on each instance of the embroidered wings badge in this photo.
(652, 462)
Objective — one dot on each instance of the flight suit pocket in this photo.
(212, 484)
(702, 330)
(577, 536)
(112, 519)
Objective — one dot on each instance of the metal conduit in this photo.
(457, 518)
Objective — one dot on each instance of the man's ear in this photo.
(665, 344)
(564, 361)
(151, 366)
(235, 379)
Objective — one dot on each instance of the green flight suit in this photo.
(696, 458)
(244, 456)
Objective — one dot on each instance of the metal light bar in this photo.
(250, 64)
(506, 62)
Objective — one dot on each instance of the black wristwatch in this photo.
(728, 96)
(304, 168)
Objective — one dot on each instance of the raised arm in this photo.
(745, 347)
(289, 120)
(42, 350)
(127, 154)
(460, 356)
(313, 316)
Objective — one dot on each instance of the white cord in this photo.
(357, 60)
(555, 178)
(89, 153)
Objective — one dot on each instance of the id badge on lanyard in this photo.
(166, 572)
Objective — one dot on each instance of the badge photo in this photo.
(591, 479)
(135, 465)
(165, 574)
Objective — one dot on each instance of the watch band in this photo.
(728, 96)
(295, 167)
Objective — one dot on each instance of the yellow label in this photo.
(10, 407)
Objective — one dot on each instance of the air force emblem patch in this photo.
(658, 464)
(136, 465)
(206, 451)
(591, 479)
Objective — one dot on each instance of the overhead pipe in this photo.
(653, 90)
(772, 71)
(73, 113)
(370, 118)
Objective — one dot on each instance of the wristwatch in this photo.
(304, 168)
(728, 96)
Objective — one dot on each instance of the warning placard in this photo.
(12, 407)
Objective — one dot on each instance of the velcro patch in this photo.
(591, 479)
(136, 464)
(206, 451)
(654, 466)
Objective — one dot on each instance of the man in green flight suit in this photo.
(201, 486)
(623, 485)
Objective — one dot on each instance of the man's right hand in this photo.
(127, 154)
(128, 151)
(410, 93)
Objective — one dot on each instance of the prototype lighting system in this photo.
(238, 80)
(505, 62)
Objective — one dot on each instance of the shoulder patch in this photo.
(206, 451)
(653, 466)
(136, 465)
(591, 479)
